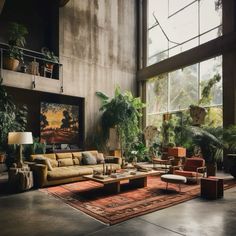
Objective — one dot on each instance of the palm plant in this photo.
(211, 146)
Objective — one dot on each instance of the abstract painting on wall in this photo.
(59, 123)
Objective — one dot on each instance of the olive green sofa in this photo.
(61, 168)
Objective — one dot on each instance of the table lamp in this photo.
(20, 138)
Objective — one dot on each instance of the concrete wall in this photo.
(98, 50)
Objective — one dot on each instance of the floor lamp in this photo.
(20, 138)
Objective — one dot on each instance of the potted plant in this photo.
(50, 60)
(16, 41)
(123, 112)
(12, 118)
(211, 147)
(230, 141)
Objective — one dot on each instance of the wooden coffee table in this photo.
(139, 180)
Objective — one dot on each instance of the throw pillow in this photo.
(76, 161)
(54, 163)
(100, 158)
(88, 159)
(65, 162)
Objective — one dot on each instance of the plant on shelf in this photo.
(16, 41)
(50, 60)
(12, 117)
(122, 112)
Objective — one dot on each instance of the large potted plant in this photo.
(16, 41)
(122, 112)
(12, 118)
(230, 141)
(211, 147)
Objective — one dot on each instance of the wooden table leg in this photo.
(138, 183)
(112, 187)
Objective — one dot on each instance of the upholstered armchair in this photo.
(193, 169)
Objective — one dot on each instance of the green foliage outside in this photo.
(121, 112)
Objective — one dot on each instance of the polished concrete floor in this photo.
(35, 213)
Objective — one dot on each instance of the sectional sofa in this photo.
(61, 168)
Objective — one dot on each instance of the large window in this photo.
(178, 25)
(176, 91)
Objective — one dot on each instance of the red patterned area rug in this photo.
(89, 197)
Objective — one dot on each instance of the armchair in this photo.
(193, 169)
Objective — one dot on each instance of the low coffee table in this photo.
(138, 180)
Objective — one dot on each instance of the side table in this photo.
(20, 179)
(212, 187)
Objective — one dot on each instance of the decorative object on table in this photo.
(16, 41)
(20, 138)
(50, 60)
(142, 168)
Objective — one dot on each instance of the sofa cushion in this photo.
(88, 158)
(77, 156)
(65, 162)
(50, 156)
(44, 161)
(100, 158)
(76, 161)
(64, 155)
(69, 172)
(54, 163)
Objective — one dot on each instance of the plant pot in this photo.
(10, 63)
(232, 166)
(47, 70)
(211, 169)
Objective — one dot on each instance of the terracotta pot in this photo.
(49, 66)
(10, 63)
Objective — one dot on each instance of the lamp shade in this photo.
(20, 138)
